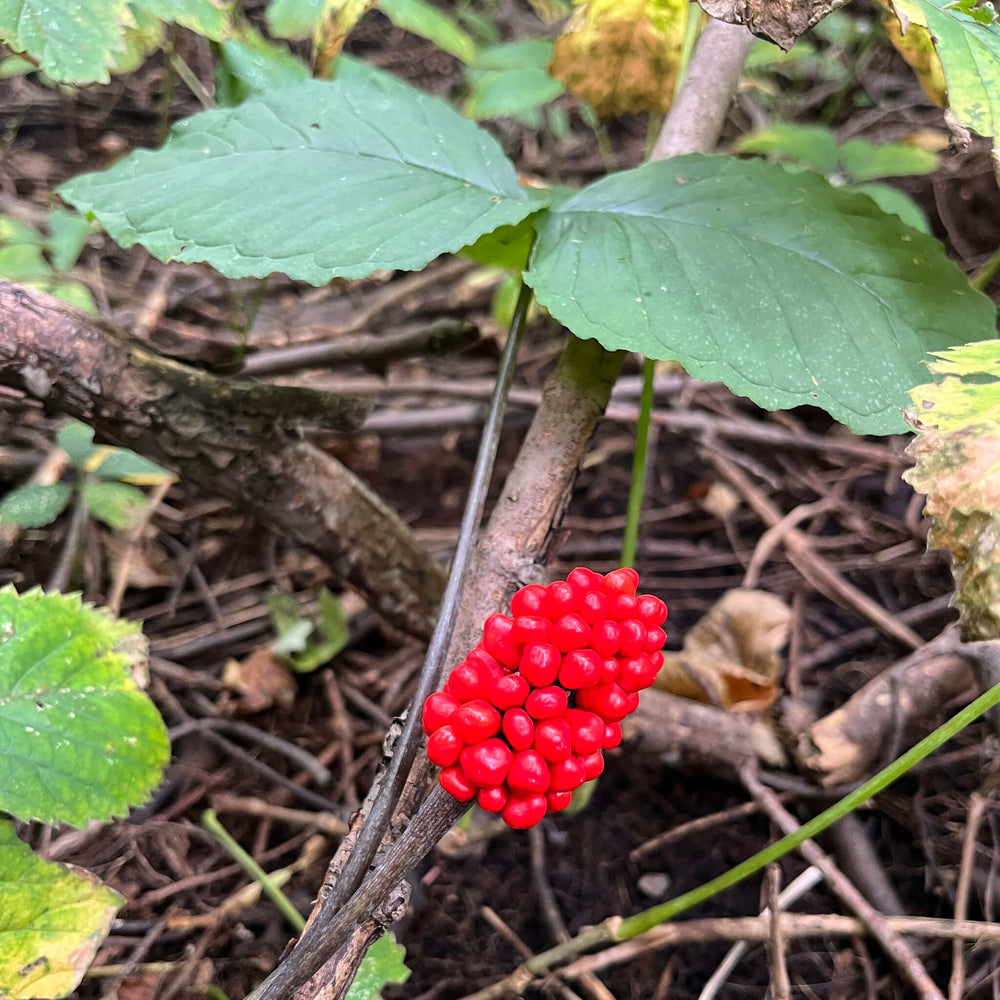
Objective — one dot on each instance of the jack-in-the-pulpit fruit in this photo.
(524, 719)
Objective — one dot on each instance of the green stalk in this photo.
(211, 823)
(637, 487)
(647, 919)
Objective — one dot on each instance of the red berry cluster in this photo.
(524, 718)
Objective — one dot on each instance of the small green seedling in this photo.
(304, 643)
(106, 479)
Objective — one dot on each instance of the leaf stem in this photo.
(640, 922)
(211, 823)
(981, 279)
(637, 487)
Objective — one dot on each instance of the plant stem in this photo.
(981, 279)
(211, 823)
(666, 911)
(637, 487)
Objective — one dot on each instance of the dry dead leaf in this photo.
(622, 56)
(731, 657)
(261, 680)
(148, 563)
(779, 21)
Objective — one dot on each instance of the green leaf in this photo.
(78, 739)
(53, 919)
(69, 291)
(251, 63)
(511, 93)
(811, 145)
(967, 39)
(201, 16)
(117, 505)
(508, 246)
(420, 18)
(22, 262)
(301, 644)
(788, 290)
(72, 41)
(68, 232)
(895, 202)
(77, 440)
(34, 506)
(293, 19)
(128, 467)
(348, 177)
(868, 161)
(969, 392)
(383, 964)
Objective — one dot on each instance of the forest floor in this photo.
(201, 580)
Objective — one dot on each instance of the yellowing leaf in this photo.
(622, 55)
(916, 46)
(957, 454)
(730, 658)
(336, 22)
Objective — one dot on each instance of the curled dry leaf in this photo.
(622, 56)
(779, 21)
(731, 657)
(260, 681)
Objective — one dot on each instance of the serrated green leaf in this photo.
(969, 48)
(117, 505)
(52, 921)
(72, 41)
(383, 964)
(128, 467)
(201, 16)
(77, 440)
(895, 202)
(34, 506)
(786, 289)
(250, 63)
(868, 161)
(348, 177)
(293, 19)
(78, 740)
(420, 18)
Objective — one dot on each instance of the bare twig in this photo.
(977, 805)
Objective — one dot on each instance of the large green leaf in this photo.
(318, 180)
(203, 16)
(52, 921)
(78, 740)
(788, 290)
(967, 38)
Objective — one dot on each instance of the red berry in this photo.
(455, 783)
(528, 628)
(492, 799)
(581, 668)
(554, 739)
(546, 703)
(476, 720)
(655, 638)
(609, 669)
(567, 775)
(622, 606)
(593, 606)
(651, 609)
(633, 637)
(656, 659)
(636, 673)
(438, 710)
(588, 731)
(612, 735)
(486, 763)
(523, 811)
(508, 692)
(471, 680)
(622, 581)
(582, 580)
(539, 664)
(558, 800)
(444, 745)
(529, 772)
(605, 638)
(593, 765)
(608, 701)
(498, 638)
(528, 600)
(570, 632)
(560, 599)
(479, 655)
(518, 728)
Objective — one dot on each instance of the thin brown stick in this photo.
(781, 987)
(977, 806)
(892, 943)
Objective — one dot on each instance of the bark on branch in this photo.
(235, 439)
